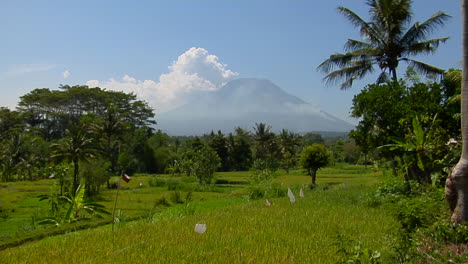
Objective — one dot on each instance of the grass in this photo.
(246, 233)
(238, 230)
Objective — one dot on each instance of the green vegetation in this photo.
(246, 229)
(388, 209)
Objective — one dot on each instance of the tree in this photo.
(218, 143)
(201, 162)
(384, 114)
(385, 43)
(314, 157)
(76, 147)
(420, 143)
(288, 142)
(240, 151)
(263, 138)
(312, 138)
(456, 186)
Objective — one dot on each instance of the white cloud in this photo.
(194, 70)
(66, 74)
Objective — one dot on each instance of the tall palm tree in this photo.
(456, 186)
(75, 147)
(263, 138)
(388, 39)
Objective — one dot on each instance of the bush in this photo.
(176, 197)
(392, 192)
(155, 182)
(445, 231)
(162, 202)
(266, 191)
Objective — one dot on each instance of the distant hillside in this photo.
(244, 102)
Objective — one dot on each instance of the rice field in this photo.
(239, 230)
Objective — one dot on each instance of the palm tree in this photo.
(387, 40)
(75, 147)
(456, 186)
(263, 138)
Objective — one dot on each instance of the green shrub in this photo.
(420, 211)
(176, 197)
(155, 182)
(277, 191)
(445, 231)
(353, 252)
(256, 193)
(162, 202)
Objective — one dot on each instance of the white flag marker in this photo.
(301, 193)
(267, 203)
(291, 196)
(200, 228)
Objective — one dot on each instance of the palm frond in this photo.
(354, 45)
(366, 29)
(390, 16)
(424, 68)
(425, 47)
(419, 31)
(335, 60)
(349, 74)
(384, 77)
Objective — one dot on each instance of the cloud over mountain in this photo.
(243, 102)
(193, 71)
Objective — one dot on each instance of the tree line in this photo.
(81, 134)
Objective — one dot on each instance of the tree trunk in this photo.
(394, 167)
(75, 175)
(365, 161)
(456, 186)
(313, 175)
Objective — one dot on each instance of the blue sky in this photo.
(138, 45)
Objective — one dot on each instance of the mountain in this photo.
(242, 103)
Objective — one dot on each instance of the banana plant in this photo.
(417, 142)
(75, 205)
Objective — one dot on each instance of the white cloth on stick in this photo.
(291, 196)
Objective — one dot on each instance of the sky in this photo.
(164, 50)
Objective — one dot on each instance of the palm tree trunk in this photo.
(394, 75)
(456, 186)
(75, 175)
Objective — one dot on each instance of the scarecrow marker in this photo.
(291, 196)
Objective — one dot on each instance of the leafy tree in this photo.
(201, 162)
(10, 156)
(34, 154)
(388, 39)
(219, 144)
(420, 143)
(240, 150)
(351, 152)
(383, 112)
(95, 172)
(53, 111)
(287, 142)
(312, 138)
(314, 157)
(362, 138)
(11, 122)
(337, 150)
